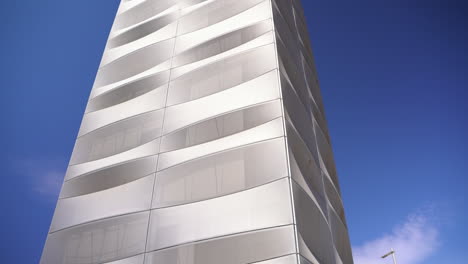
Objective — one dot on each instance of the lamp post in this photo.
(392, 252)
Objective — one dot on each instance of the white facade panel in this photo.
(203, 142)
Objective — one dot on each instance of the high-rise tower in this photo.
(203, 142)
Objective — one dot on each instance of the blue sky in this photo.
(393, 74)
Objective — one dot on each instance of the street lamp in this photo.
(393, 255)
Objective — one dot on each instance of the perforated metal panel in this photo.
(204, 141)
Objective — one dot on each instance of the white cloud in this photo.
(414, 241)
(48, 183)
(45, 176)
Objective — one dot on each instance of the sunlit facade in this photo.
(204, 141)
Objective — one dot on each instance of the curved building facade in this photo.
(204, 141)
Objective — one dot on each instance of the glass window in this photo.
(326, 156)
(288, 38)
(270, 130)
(248, 17)
(241, 248)
(312, 84)
(293, 77)
(262, 207)
(148, 102)
(305, 138)
(146, 150)
(221, 174)
(222, 126)
(118, 137)
(284, 8)
(307, 174)
(334, 199)
(259, 90)
(222, 43)
(109, 177)
(340, 238)
(98, 242)
(128, 91)
(221, 75)
(134, 63)
(143, 30)
(312, 226)
(141, 12)
(213, 13)
(131, 197)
